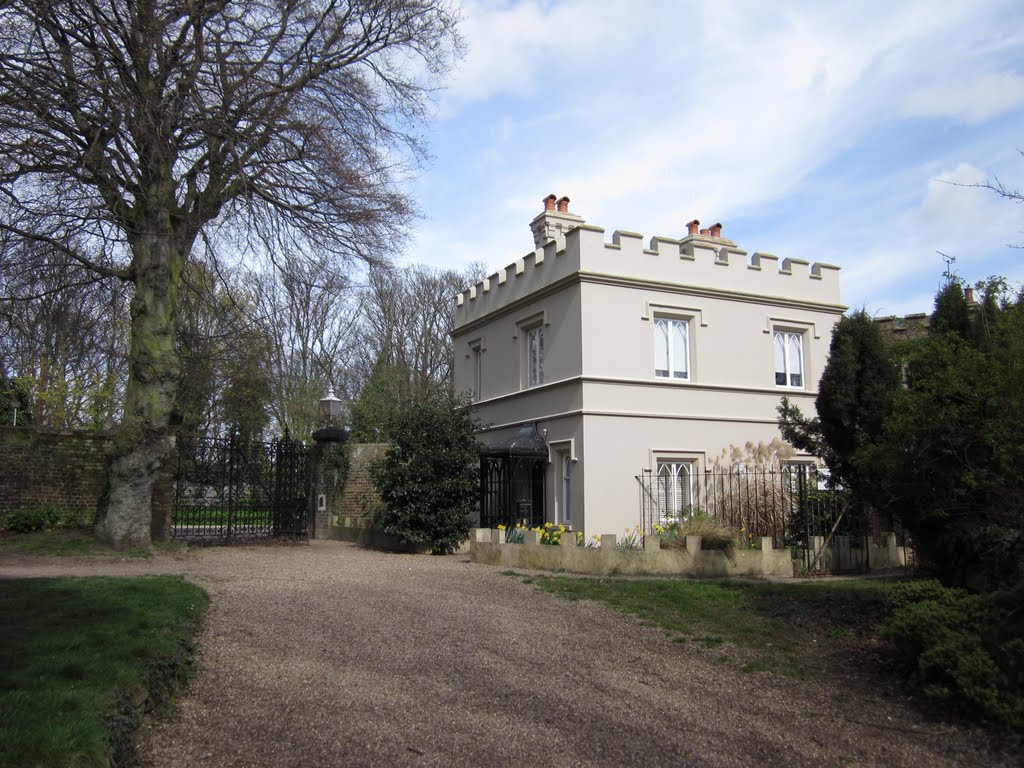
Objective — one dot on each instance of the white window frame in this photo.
(476, 377)
(792, 365)
(533, 349)
(476, 354)
(677, 360)
(565, 507)
(681, 483)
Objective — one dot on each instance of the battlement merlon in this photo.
(697, 260)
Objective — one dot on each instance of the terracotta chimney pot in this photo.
(969, 295)
(704, 232)
(716, 230)
(563, 205)
(691, 227)
(549, 203)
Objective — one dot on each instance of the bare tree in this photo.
(405, 339)
(308, 318)
(62, 340)
(128, 130)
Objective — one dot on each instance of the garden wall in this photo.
(60, 470)
(345, 499)
(488, 546)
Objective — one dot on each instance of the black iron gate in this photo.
(230, 488)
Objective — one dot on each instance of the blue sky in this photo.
(823, 131)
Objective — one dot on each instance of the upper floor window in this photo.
(535, 356)
(477, 370)
(671, 348)
(789, 359)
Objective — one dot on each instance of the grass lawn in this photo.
(77, 542)
(80, 658)
(784, 628)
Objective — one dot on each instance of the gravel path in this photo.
(330, 655)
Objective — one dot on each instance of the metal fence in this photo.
(789, 503)
(227, 488)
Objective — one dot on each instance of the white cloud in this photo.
(900, 255)
(650, 113)
(534, 47)
(973, 100)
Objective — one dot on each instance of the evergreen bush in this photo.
(428, 479)
(963, 651)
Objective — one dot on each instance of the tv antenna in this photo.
(948, 274)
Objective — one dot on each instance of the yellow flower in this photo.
(549, 525)
(501, 527)
(561, 528)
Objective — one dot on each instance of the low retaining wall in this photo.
(856, 553)
(487, 546)
(349, 529)
(357, 530)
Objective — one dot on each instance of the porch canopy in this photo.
(512, 471)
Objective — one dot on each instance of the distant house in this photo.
(594, 364)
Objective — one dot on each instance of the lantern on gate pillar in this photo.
(330, 409)
(330, 406)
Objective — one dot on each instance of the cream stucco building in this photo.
(608, 359)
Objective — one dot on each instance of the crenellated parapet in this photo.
(702, 261)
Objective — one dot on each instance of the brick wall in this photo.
(59, 469)
(358, 498)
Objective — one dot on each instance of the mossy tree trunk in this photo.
(144, 443)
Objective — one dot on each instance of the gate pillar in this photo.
(328, 459)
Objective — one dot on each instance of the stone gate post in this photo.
(327, 460)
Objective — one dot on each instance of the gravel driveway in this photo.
(330, 655)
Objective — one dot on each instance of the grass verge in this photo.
(78, 543)
(84, 658)
(758, 627)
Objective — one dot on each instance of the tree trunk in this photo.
(143, 443)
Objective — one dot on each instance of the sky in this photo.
(841, 132)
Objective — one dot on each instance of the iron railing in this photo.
(787, 503)
(228, 488)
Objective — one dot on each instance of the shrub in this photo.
(713, 534)
(427, 480)
(960, 648)
(29, 519)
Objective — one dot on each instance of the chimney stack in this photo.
(969, 295)
(554, 221)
